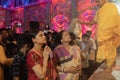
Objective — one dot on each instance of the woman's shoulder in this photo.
(30, 53)
(33, 53)
(76, 47)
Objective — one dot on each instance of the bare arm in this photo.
(39, 70)
(3, 58)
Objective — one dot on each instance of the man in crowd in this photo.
(108, 32)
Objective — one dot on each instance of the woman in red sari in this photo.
(40, 67)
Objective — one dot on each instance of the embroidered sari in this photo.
(66, 58)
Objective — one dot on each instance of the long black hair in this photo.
(26, 39)
(59, 38)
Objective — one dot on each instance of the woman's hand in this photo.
(46, 52)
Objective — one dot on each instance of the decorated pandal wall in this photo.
(58, 14)
(87, 16)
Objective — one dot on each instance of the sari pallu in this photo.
(51, 71)
(66, 59)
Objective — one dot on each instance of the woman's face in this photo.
(40, 38)
(66, 37)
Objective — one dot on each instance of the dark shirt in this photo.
(19, 66)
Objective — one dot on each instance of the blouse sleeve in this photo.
(33, 59)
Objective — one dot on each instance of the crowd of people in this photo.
(50, 56)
